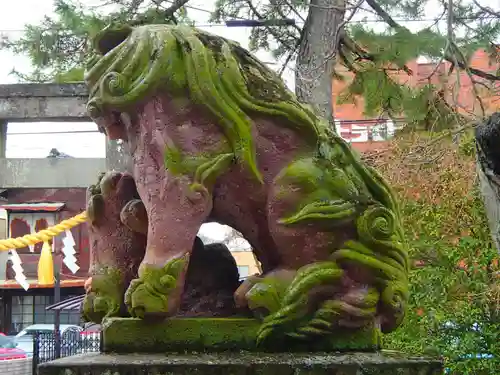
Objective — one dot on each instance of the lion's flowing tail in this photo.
(378, 254)
(294, 306)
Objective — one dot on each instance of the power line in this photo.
(402, 20)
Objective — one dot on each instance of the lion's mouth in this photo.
(112, 125)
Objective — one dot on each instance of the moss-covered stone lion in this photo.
(216, 136)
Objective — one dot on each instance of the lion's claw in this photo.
(130, 291)
(95, 208)
(134, 216)
(142, 300)
(151, 292)
(103, 298)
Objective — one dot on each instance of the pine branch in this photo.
(448, 56)
(168, 13)
(176, 5)
(294, 10)
(348, 43)
(292, 52)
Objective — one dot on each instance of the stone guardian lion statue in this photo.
(216, 136)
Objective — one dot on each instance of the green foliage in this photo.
(400, 46)
(60, 45)
(72, 75)
(454, 298)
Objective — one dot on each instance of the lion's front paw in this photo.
(116, 250)
(150, 294)
(107, 198)
(103, 298)
(263, 294)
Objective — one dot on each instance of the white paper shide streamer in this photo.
(69, 252)
(18, 269)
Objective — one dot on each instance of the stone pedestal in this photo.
(242, 363)
(228, 347)
(127, 335)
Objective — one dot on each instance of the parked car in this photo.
(9, 350)
(25, 338)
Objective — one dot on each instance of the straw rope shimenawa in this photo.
(44, 235)
(45, 263)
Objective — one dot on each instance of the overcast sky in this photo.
(16, 13)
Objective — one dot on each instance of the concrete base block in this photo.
(243, 363)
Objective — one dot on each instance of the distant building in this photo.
(247, 263)
(369, 133)
(29, 211)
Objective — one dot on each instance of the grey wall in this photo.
(49, 173)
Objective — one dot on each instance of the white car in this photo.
(25, 338)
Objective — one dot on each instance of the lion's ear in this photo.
(110, 37)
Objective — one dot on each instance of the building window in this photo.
(71, 316)
(244, 271)
(22, 312)
(42, 316)
(28, 310)
(21, 224)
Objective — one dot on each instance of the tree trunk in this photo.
(317, 55)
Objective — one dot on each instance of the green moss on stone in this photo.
(122, 335)
(267, 294)
(336, 189)
(106, 298)
(339, 195)
(149, 294)
(204, 167)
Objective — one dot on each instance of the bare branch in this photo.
(294, 10)
(291, 53)
(168, 13)
(486, 9)
(176, 5)
(277, 6)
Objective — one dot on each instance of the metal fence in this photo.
(47, 346)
